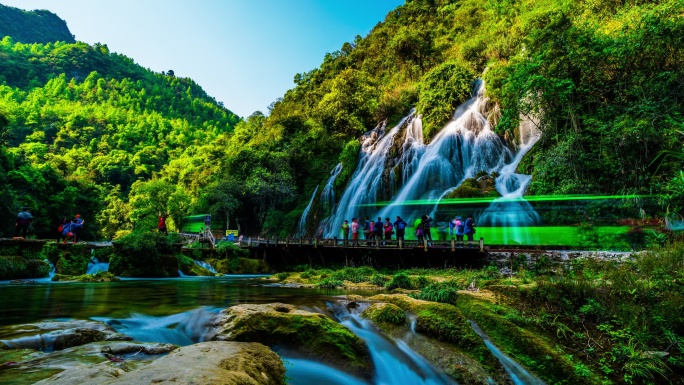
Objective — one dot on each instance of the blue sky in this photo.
(243, 52)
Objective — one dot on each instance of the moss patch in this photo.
(311, 333)
(385, 315)
(103, 276)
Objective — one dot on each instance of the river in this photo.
(179, 311)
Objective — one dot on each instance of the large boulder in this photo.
(312, 334)
(206, 363)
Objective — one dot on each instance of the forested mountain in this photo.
(605, 78)
(39, 26)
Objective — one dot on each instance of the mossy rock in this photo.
(239, 266)
(18, 267)
(446, 323)
(386, 315)
(310, 333)
(526, 344)
(103, 276)
(469, 188)
(188, 267)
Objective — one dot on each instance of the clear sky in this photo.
(244, 53)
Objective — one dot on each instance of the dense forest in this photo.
(38, 26)
(87, 130)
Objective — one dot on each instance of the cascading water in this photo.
(206, 266)
(421, 175)
(510, 214)
(367, 183)
(95, 266)
(328, 193)
(394, 361)
(518, 374)
(301, 228)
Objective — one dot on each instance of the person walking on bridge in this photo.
(378, 228)
(400, 227)
(469, 229)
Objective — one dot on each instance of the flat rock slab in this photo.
(206, 363)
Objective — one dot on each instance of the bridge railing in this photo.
(361, 243)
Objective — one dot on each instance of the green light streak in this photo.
(533, 198)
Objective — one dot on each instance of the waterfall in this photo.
(512, 213)
(53, 269)
(95, 266)
(367, 183)
(328, 194)
(206, 266)
(419, 175)
(301, 228)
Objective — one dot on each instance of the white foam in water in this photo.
(301, 228)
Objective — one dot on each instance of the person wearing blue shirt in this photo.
(469, 229)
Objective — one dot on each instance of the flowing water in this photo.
(518, 374)
(180, 311)
(206, 266)
(95, 266)
(301, 228)
(416, 177)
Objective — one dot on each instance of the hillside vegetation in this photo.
(39, 26)
(604, 77)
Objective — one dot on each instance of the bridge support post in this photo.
(315, 243)
(300, 241)
(401, 243)
(425, 244)
(453, 245)
(287, 242)
(377, 243)
(249, 242)
(481, 244)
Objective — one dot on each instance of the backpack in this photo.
(401, 225)
(389, 229)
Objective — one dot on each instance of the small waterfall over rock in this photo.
(301, 228)
(95, 266)
(518, 374)
(394, 361)
(206, 266)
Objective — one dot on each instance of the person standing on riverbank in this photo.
(367, 229)
(23, 222)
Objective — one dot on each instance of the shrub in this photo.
(281, 276)
(330, 283)
(445, 292)
(354, 274)
(400, 281)
(378, 280)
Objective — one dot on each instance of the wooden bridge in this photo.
(281, 253)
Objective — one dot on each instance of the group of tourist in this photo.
(70, 230)
(384, 230)
(373, 230)
(67, 230)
